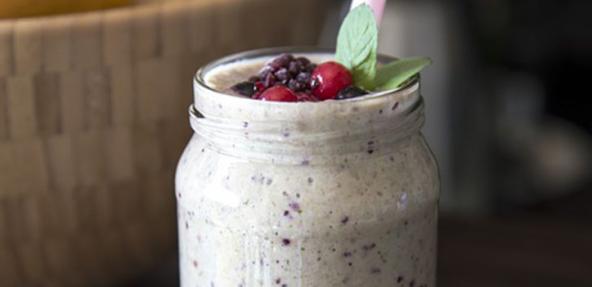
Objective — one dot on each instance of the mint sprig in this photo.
(395, 73)
(356, 46)
(357, 43)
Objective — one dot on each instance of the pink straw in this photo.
(376, 5)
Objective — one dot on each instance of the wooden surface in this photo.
(29, 8)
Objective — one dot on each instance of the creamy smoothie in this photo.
(307, 194)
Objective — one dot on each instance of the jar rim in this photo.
(215, 104)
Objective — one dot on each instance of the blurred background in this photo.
(82, 126)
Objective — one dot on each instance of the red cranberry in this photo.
(328, 79)
(259, 86)
(279, 94)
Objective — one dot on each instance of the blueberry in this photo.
(295, 85)
(269, 80)
(285, 70)
(294, 67)
(281, 61)
(303, 61)
(303, 77)
(282, 75)
(264, 72)
(244, 88)
(350, 92)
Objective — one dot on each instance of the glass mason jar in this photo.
(308, 194)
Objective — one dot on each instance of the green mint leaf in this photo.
(393, 74)
(356, 45)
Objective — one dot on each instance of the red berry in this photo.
(259, 86)
(279, 94)
(328, 79)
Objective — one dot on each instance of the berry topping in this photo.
(350, 92)
(328, 79)
(279, 94)
(296, 79)
(281, 61)
(288, 71)
(259, 87)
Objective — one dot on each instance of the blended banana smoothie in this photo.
(305, 194)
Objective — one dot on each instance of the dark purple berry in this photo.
(264, 72)
(287, 71)
(269, 80)
(246, 89)
(294, 67)
(295, 85)
(303, 61)
(281, 61)
(303, 77)
(350, 92)
(282, 75)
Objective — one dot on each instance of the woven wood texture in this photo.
(93, 117)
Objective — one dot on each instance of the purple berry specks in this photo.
(295, 207)
(344, 220)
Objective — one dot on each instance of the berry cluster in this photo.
(291, 72)
(290, 79)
